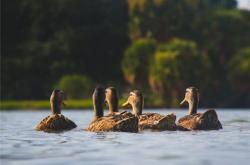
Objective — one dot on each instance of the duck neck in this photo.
(98, 111)
(193, 105)
(55, 107)
(137, 110)
(113, 106)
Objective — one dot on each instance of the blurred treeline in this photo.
(158, 46)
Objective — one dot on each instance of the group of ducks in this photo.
(130, 121)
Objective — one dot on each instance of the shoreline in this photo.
(85, 104)
(44, 104)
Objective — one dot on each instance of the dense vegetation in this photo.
(159, 46)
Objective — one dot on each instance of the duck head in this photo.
(56, 101)
(111, 99)
(136, 100)
(192, 98)
(98, 98)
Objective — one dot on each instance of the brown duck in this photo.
(56, 121)
(111, 98)
(118, 122)
(152, 121)
(197, 121)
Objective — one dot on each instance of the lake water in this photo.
(21, 144)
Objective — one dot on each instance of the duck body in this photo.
(115, 121)
(153, 121)
(118, 122)
(55, 122)
(200, 121)
(157, 121)
(197, 121)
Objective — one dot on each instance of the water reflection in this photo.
(21, 144)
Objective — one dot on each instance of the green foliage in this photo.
(218, 28)
(223, 36)
(70, 104)
(42, 104)
(239, 69)
(76, 86)
(44, 40)
(220, 3)
(59, 37)
(159, 19)
(239, 77)
(177, 65)
(165, 19)
(136, 61)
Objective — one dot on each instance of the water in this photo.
(21, 144)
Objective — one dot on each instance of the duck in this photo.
(153, 121)
(56, 121)
(114, 121)
(197, 121)
(111, 98)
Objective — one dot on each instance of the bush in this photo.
(136, 60)
(239, 67)
(239, 76)
(177, 65)
(76, 86)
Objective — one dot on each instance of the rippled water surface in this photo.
(21, 144)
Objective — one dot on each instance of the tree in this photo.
(155, 19)
(44, 40)
(166, 19)
(136, 61)
(238, 74)
(221, 34)
(177, 65)
(76, 86)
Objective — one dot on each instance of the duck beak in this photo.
(125, 104)
(183, 101)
